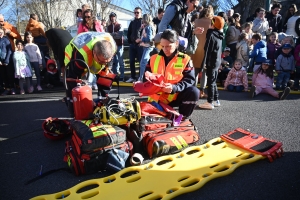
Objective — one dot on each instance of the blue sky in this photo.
(127, 6)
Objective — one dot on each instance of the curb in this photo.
(123, 84)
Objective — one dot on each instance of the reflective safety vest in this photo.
(172, 74)
(84, 43)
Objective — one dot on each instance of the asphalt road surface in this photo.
(24, 149)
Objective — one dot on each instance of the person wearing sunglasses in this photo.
(134, 35)
(89, 23)
(177, 16)
(96, 50)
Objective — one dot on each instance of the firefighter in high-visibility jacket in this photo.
(179, 75)
(97, 50)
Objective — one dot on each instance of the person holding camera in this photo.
(89, 23)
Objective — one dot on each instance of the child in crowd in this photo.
(247, 28)
(243, 50)
(23, 70)
(259, 52)
(285, 40)
(212, 61)
(52, 76)
(237, 78)
(272, 46)
(34, 54)
(297, 73)
(262, 82)
(79, 16)
(285, 65)
(225, 66)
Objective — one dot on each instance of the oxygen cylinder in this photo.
(82, 102)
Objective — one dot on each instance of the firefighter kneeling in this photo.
(97, 50)
(178, 72)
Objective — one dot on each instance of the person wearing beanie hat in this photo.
(212, 61)
(218, 22)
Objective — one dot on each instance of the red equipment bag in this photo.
(56, 129)
(254, 143)
(145, 123)
(90, 136)
(106, 77)
(148, 109)
(92, 162)
(164, 141)
(152, 122)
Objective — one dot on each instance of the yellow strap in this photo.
(69, 161)
(182, 141)
(156, 64)
(173, 139)
(98, 131)
(87, 122)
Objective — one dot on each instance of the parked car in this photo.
(125, 39)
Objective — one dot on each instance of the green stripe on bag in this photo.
(173, 139)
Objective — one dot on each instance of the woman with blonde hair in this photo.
(146, 42)
(204, 21)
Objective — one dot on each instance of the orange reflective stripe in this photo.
(172, 74)
(154, 97)
(67, 55)
(89, 56)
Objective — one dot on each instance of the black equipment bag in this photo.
(90, 136)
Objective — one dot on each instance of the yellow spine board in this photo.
(165, 177)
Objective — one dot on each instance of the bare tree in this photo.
(2, 4)
(106, 6)
(151, 6)
(51, 13)
(16, 13)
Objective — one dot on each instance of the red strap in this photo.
(76, 63)
(270, 158)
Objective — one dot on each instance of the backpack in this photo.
(91, 136)
(163, 141)
(112, 158)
